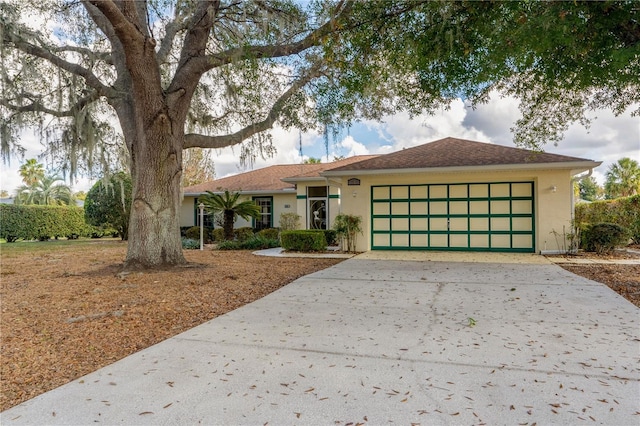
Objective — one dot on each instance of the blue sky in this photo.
(608, 139)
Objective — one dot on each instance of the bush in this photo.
(332, 237)
(256, 242)
(108, 204)
(193, 233)
(348, 227)
(622, 211)
(289, 221)
(243, 234)
(189, 244)
(217, 235)
(604, 237)
(35, 222)
(269, 233)
(304, 240)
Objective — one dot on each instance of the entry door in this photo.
(317, 207)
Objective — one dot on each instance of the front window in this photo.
(266, 213)
(207, 218)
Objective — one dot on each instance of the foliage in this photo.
(31, 172)
(604, 237)
(190, 243)
(303, 240)
(623, 179)
(255, 242)
(289, 221)
(209, 74)
(227, 203)
(622, 211)
(193, 233)
(332, 236)
(41, 222)
(243, 234)
(4, 193)
(197, 167)
(108, 204)
(269, 233)
(217, 235)
(348, 227)
(45, 191)
(312, 160)
(588, 189)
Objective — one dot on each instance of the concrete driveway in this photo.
(438, 339)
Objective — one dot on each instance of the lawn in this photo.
(67, 310)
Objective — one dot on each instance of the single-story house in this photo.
(450, 194)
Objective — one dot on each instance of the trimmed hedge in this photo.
(621, 211)
(303, 240)
(269, 233)
(42, 222)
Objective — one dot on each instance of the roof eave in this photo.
(248, 192)
(575, 167)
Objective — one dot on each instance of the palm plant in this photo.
(31, 172)
(623, 179)
(227, 204)
(45, 191)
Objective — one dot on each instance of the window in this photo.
(208, 218)
(266, 213)
(317, 207)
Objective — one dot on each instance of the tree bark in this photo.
(154, 225)
(228, 224)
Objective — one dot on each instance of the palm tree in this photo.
(46, 191)
(227, 204)
(623, 179)
(31, 172)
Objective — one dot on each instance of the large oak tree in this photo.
(210, 74)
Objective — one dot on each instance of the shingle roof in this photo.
(453, 152)
(269, 178)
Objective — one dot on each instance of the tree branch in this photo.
(39, 52)
(38, 107)
(193, 140)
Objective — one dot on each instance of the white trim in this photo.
(575, 167)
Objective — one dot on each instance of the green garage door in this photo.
(461, 216)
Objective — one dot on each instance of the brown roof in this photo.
(269, 178)
(453, 152)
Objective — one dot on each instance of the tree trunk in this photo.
(154, 226)
(228, 224)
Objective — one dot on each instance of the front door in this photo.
(317, 207)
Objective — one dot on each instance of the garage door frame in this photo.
(490, 199)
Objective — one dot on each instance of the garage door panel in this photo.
(419, 224)
(400, 240)
(475, 216)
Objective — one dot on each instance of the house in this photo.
(450, 194)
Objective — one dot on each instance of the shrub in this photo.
(348, 227)
(289, 221)
(622, 211)
(190, 244)
(193, 233)
(243, 234)
(35, 222)
(256, 242)
(332, 236)
(604, 237)
(303, 240)
(269, 233)
(217, 235)
(108, 204)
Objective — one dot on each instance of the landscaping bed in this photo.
(66, 311)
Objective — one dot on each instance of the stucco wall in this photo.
(280, 201)
(553, 210)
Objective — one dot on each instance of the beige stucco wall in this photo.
(553, 210)
(280, 203)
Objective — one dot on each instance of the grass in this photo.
(20, 247)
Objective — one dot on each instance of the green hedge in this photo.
(41, 222)
(621, 211)
(604, 237)
(304, 240)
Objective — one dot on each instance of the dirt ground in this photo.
(66, 310)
